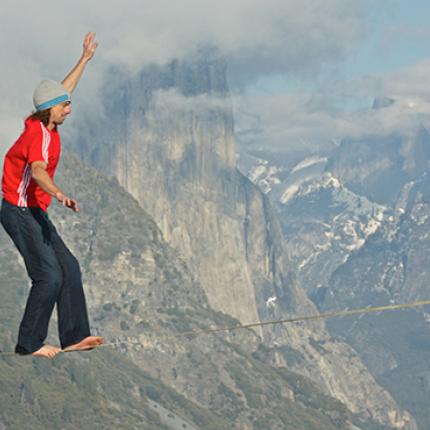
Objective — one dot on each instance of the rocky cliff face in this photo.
(393, 267)
(170, 144)
(356, 223)
(379, 166)
(144, 300)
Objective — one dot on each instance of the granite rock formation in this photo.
(170, 144)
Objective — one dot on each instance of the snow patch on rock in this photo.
(307, 162)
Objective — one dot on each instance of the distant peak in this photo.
(382, 102)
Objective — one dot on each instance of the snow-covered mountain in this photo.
(331, 203)
(356, 225)
(171, 145)
(324, 221)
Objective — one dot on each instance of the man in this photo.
(28, 187)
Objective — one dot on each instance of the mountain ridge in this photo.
(385, 263)
(213, 382)
(179, 164)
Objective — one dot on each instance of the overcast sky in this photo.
(300, 71)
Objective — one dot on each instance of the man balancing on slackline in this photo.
(28, 187)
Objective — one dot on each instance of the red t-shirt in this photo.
(36, 143)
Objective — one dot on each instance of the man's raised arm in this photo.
(89, 48)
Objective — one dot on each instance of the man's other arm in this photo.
(40, 175)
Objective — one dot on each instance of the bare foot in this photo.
(88, 343)
(47, 351)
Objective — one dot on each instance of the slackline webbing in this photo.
(324, 315)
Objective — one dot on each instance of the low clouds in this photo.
(306, 121)
(175, 102)
(413, 81)
(258, 38)
(270, 35)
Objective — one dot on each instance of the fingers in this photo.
(73, 204)
(89, 37)
(89, 40)
(90, 45)
(70, 203)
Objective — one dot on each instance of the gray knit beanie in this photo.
(49, 93)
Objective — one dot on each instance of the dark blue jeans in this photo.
(55, 275)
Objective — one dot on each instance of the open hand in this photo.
(68, 202)
(71, 204)
(90, 46)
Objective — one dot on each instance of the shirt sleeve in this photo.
(38, 144)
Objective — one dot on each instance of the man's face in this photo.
(59, 113)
